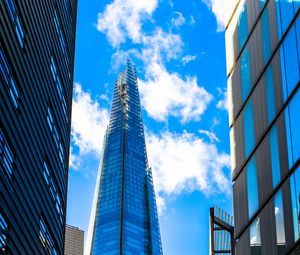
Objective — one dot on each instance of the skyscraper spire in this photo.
(125, 218)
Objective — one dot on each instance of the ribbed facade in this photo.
(126, 219)
(263, 68)
(37, 42)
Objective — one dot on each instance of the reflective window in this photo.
(279, 219)
(270, 93)
(266, 35)
(55, 134)
(262, 3)
(255, 240)
(59, 32)
(285, 13)
(47, 239)
(297, 22)
(6, 156)
(57, 80)
(243, 24)
(53, 190)
(3, 234)
(295, 191)
(275, 159)
(16, 21)
(289, 63)
(248, 128)
(292, 120)
(252, 188)
(9, 80)
(245, 74)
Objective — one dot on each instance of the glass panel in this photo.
(243, 24)
(285, 14)
(298, 35)
(252, 188)
(291, 61)
(292, 115)
(275, 159)
(248, 129)
(270, 93)
(262, 3)
(266, 35)
(279, 219)
(255, 241)
(245, 74)
(295, 191)
(296, 5)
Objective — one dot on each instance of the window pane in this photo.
(290, 69)
(285, 14)
(298, 35)
(292, 116)
(252, 188)
(279, 219)
(255, 241)
(275, 157)
(248, 129)
(245, 74)
(266, 35)
(270, 93)
(262, 3)
(296, 5)
(295, 191)
(243, 24)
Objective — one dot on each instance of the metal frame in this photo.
(220, 224)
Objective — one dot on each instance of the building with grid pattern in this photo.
(263, 65)
(37, 43)
(125, 220)
(74, 241)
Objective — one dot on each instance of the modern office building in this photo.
(74, 241)
(263, 60)
(221, 232)
(125, 221)
(37, 42)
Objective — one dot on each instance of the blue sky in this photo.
(179, 50)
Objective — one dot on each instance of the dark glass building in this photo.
(263, 68)
(37, 41)
(126, 219)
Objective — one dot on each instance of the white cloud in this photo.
(123, 18)
(211, 135)
(222, 104)
(222, 10)
(178, 20)
(74, 160)
(192, 20)
(184, 162)
(165, 94)
(89, 122)
(187, 59)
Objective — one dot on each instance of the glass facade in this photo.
(263, 72)
(252, 188)
(37, 52)
(126, 215)
(255, 239)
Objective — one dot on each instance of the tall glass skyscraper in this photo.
(263, 68)
(37, 51)
(126, 219)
